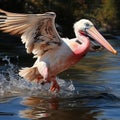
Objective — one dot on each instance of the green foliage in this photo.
(69, 11)
(107, 14)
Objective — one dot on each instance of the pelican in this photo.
(54, 54)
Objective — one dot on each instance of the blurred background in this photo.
(103, 13)
(89, 91)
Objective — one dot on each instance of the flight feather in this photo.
(37, 31)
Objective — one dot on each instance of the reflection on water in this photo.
(56, 108)
(39, 107)
(89, 91)
(86, 108)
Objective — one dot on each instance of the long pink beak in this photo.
(99, 38)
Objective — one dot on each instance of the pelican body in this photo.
(54, 54)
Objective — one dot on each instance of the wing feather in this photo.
(37, 31)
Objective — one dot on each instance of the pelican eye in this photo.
(87, 25)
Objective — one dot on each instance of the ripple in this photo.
(11, 84)
(6, 114)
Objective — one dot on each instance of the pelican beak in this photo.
(93, 32)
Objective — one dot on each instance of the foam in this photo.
(12, 84)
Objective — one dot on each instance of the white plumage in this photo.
(54, 54)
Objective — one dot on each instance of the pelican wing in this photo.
(37, 31)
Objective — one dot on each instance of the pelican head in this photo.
(82, 25)
(86, 28)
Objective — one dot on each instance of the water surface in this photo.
(90, 90)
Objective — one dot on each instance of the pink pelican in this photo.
(54, 54)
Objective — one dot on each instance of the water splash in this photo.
(12, 84)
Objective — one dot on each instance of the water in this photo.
(89, 91)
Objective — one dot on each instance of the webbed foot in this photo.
(55, 86)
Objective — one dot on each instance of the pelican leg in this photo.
(43, 70)
(55, 86)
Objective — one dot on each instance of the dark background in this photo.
(103, 13)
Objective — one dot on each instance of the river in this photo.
(90, 90)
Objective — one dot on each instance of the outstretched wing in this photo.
(37, 31)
